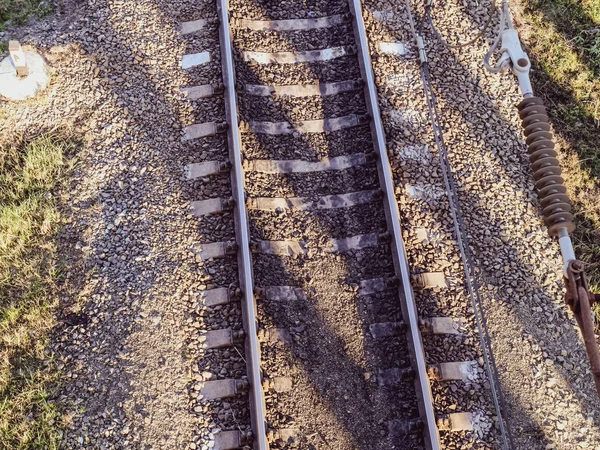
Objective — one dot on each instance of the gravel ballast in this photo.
(131, 325)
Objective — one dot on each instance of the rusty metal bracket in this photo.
(580, 300)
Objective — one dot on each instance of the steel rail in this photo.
(393, 219)
(257, 401)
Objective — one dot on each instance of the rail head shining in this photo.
(257, 402)
(393, 218)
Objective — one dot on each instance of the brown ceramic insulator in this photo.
(556, 206)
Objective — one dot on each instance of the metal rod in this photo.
(242, 234)
(586, 323)
(524, 83)
(566, 249)
(580, 300)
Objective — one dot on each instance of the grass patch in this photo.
(18, 11)
(578, 22)
(29, 219)
(563, 39)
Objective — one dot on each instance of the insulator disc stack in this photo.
(556, 206)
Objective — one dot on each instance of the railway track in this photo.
(318, 332)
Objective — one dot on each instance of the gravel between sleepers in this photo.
(278, 10)
(310, 147)
(299, 40)
(297, 109)
(300, 225)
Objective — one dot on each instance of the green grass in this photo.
(563, 39)
(29, 220)
(578, 22)
(18, 11)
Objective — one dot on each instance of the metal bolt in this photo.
(577, 265)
